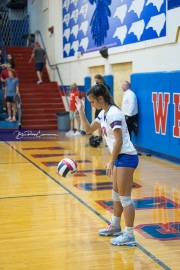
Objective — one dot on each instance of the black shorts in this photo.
(10, 99)
(97, 112)
(39, 66)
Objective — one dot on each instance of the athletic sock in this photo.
(129, 230)
(116, 220)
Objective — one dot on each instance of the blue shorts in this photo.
(125, 160)
(10, 99)
(39, 66)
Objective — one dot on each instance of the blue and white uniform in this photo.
(113, 119)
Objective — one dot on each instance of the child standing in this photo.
(11, 89)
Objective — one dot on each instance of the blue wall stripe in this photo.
(88, 109)
(109, 79)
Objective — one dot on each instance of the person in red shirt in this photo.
(73, 113)
(4, 76)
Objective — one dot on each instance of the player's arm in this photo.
(89, 128)
(116, 150)
(117, 144)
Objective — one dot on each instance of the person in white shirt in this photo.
(129, 106)
(122, 164)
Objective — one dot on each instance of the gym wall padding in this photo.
(144, 84)
(87, 86)
(174, 88)
(109, 81)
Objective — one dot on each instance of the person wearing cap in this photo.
(39, 56)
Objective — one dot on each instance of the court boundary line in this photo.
(149, 254)
(31, 196)
(14, 163)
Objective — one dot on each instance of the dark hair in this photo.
(9, 62)
(99, 77)
(100, 89)
(10, 55)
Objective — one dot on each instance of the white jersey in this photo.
(109, 122)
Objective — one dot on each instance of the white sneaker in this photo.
(125, 239)
(39, 82)
(110, 230)
(69, 133)
(77, 133)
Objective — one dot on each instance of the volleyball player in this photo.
(122, 164)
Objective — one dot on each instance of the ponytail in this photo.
(99, 89)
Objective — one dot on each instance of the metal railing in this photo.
(14, 29)
(38, 32)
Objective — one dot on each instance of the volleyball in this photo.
(66, 167)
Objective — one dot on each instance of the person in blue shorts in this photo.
(122, 163)
(11, 89)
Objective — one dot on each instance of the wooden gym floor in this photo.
(49, 223)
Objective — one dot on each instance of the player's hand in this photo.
(109, 169)
(79, 105)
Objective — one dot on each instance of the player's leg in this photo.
(99, 129)
(124, 189)
(124, 183)
(125, 176)
(114, 228)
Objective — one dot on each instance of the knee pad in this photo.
(115, 196)
(125, 200)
